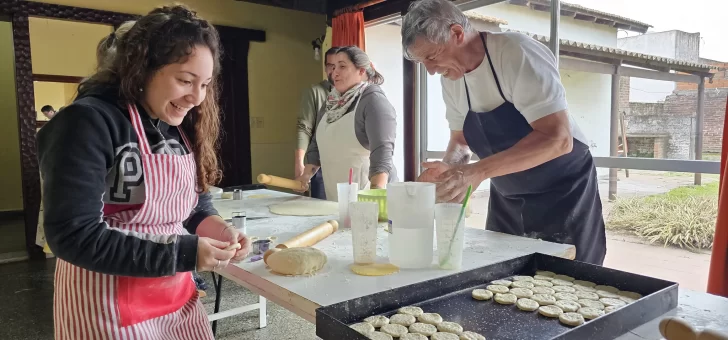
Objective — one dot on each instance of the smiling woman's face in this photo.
(176, 88)
(345, 74)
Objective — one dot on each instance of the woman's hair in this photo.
(361, 60)
(165, 36)
(106, 49)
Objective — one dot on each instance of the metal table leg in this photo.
(218, 296)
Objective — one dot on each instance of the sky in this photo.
(704, 16)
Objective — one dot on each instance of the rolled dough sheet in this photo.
(303, 207)
(374, 269)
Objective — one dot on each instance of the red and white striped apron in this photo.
(91, 305)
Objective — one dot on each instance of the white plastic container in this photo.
(347, 193)
(364, 222)
(450, 235)
(411, 212)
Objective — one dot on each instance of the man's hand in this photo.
(432, 171)
(453, 183)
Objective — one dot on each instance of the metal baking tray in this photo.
(450, 296)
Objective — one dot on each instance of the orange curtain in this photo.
(348, 29)
(718, 277)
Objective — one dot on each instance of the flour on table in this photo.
(305, 207)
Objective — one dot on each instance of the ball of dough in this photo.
(522, 284)
(444, 336)
(550, 311)
(377, 321)
(591, 303)
(558, 282)
(380, 336)
(297, 261)
(413, 336)
(522, 278)
(584, 288)
(612, 302)
(402, 319)
(563, 289)
(505, 299)
(606, 294)
(631, 295)
(449, 327)
(545, 273)
(610, 289)
(527, 305)
(430, 318)
(542, 283)
(502, 283)
(497, 289)
(568, 306)
(584, 283)
(482, 294)
(564, 278)
(395, 331)
(363, 327)
(590, 313)
(544, 299)
(543, 290)
(586, 295)
(422, 328)
(542, 278)
(566, 296)
(411, 310)
(521, 292)
(571, 319)
(471, 336)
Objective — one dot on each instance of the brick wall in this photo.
(684, 103)
(646, 123)
(720, 78)
(623, 93)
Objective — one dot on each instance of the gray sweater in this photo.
(375, 126)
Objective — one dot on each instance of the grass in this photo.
(683, 217)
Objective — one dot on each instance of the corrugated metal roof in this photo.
(628, 23)
(478, 16)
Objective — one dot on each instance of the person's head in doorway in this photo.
(329, 62)
(48, 111)
(434, 33)
(168, 63)
(106, 48)
(352, 67)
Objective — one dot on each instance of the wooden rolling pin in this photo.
(280, 182)
(307, 238)
(677, 329)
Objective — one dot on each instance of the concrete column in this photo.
(614, 133)
(555, 18)
(699, 127)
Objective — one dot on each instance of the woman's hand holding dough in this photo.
(211, 254)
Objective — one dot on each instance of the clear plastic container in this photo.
(347, 193)
(450, 235)
(364, 224)
(411, 212)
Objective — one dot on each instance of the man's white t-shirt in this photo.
(527, 74)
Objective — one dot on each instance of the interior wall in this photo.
(57, 95)
(279, 68)
(10, 176)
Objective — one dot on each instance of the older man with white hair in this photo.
(505, 102)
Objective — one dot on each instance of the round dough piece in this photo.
(542, 278)
(584, 283)
(607, 289)
(590, 313)
(566, 296)
(395, 331)
(380, 336)
(571, 319)
(297, 261)
(543, 290)
(402, 319)
(430, 318)
(497, 289)
(363, 327)
(545, 273)
(444, 336)
(631, 295)
(586, 295)
(449, 327)
(626, 299)
(612, 302)
(584, 288)
(606, 294)
(522, 284)
(521, 292)
(563, 289)
(568, 306)
(527, 305)
(611, 309)
(506, 299)
(374, 269)
(591, 304)
(377, 321)
(411, 310)
(544, 299)
(502, 283)
(305, 207)
(558, 282)
(522, 278)
(542, 283)
(413, 336)
(482, 294)
(423, 328)
(550, 311)
(471, 336)
(564, 278)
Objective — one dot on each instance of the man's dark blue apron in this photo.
(557, 201)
